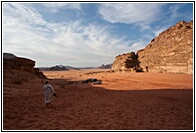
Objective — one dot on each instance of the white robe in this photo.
(48, 93)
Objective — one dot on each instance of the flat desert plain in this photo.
(124, 101)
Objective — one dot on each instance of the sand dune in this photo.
(125, 101)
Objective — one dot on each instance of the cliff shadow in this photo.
(93, 107)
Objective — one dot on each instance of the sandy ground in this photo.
(124, 101)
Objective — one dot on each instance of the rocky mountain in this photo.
(18, 66)
(57, 68)
(171, 51)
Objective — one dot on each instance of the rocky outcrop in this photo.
(58, 68)
(12, 62)
(8, 55)
(108, 66)
(126, 62)
(171, 51)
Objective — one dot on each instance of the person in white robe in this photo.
(49, 93)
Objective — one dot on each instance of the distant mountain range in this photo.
(105, 66)
(57, 67)
(62, 67)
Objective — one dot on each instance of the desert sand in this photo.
(124, 101)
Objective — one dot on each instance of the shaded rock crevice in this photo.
(126, 62)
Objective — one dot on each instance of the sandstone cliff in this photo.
(171, 51)
(19, 68)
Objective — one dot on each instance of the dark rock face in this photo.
(8, 55)
(126, 62)
(171, 51)
(21, 64)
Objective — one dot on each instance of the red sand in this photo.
(125, 101)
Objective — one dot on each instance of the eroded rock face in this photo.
(171, 51)
(12, 62)
(126, 62)
(19, 63)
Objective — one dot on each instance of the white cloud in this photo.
(130, 12)
(158, 31)
(27, 34)
(27, 13)
(55, 6)
(143, 26)
(138, 45)
(174, 10)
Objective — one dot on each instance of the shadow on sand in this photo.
(89, 107)
(95, 107)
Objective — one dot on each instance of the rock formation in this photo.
(126, 62)
(171, 51)
(14, 63)
(58, 68)
(108, 66)
(8, 55)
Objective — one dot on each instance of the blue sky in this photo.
(85, 34)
